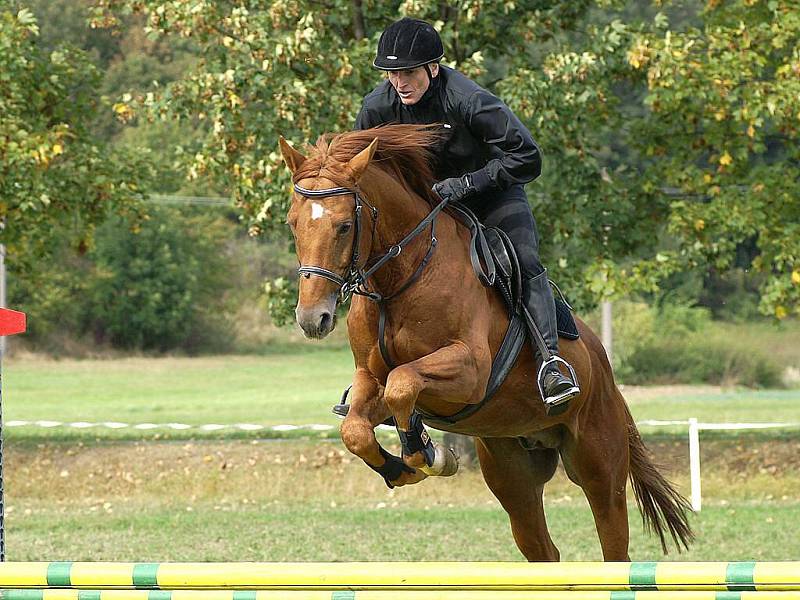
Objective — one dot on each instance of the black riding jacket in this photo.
(484, 137)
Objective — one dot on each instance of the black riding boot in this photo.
(558, 388)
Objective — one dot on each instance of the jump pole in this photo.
(11, 322)
(408, 577)
(73, 594)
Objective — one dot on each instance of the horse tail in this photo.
(662, 507)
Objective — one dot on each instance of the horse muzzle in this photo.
(317, 321)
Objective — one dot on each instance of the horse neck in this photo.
(398, 213)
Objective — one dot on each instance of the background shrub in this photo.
(677, 343)
(156, 287)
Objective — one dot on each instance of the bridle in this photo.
(355, 279)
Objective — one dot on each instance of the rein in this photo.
(354, 281)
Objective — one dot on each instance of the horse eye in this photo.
(344, 228)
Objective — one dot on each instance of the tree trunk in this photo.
(464, 446)
(359, 28)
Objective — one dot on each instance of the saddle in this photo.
(495, 263)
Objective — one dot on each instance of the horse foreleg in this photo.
(358, 432)
(449, 373)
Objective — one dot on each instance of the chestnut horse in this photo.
(356, 195)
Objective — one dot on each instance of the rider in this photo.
(488, 157)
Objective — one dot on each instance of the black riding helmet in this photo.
(407, 44)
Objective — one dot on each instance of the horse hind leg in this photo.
(597, 461)
(516, 476)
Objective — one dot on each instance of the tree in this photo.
(723, 132)
(54, 175)
(156, 287)
(618, 100)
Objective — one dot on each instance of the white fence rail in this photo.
(695, 427)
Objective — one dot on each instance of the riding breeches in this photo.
(509, 211)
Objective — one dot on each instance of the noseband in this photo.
(354, 281)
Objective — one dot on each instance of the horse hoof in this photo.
(445, 462)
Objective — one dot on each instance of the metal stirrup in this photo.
(550, 361)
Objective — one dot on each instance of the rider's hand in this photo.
(455, 189)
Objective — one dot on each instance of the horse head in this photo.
(326, 222)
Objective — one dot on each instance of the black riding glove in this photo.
(455, 189)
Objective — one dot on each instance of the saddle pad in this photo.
(565, 322)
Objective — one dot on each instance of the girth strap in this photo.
(502, 364)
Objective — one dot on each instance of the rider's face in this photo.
(411, 84)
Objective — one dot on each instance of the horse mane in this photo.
(404, 151)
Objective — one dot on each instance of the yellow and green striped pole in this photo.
(75, 594)
(366, 576)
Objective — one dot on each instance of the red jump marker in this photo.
(11, 321)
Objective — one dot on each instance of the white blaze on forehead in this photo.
(317, 210)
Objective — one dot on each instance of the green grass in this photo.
(317, 532)
(311, 501)
(713, 405)
(91, 497)
(278, 388)
(720, 406)
(283, 388)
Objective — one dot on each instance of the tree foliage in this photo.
(155, 287)
(666, 144)
(724, 102)
(54, 174)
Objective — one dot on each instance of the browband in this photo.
(337, 191)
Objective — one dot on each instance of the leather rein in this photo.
(354, 281)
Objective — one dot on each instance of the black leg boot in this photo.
(558, 388)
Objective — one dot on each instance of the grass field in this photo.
(100, 494)
(305, 501)
(291, 388)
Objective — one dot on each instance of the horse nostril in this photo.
(325, 321)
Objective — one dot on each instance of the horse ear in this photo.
(358, 164)
(291, 157)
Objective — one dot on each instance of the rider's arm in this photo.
(491, 121)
